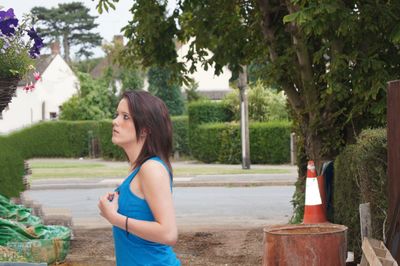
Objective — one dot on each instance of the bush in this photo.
(93, 102)
(205, 142)
(360, 177)
(54, 139)
(108, 149)
(49, 139)
(270, 142)
(180, 126)
(64, 139)
(264, 104)
(206, 111)
(11, 169)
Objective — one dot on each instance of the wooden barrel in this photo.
(305, 245)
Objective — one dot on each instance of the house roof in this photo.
(41, 65)
(98, 70)
(210, 94)
(214, 94)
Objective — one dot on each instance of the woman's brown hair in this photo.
(151, 117)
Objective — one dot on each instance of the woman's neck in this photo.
(133, 151)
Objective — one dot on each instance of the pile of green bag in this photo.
(23, 237)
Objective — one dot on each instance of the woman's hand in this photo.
(108, 205)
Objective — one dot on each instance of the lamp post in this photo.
(244, 118)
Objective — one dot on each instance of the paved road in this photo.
(195, 206)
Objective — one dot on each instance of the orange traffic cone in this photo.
(314, 211)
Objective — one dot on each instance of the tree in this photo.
(331, 58)
(265, 104)
(170, 93)
(70, 23)
(94, 101)
(131, 76)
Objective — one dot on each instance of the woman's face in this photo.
(123, 133)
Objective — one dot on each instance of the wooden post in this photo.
(393, 144)
(293, 149)
(365, 220)
(244, 118)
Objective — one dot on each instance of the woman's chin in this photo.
(114, 141)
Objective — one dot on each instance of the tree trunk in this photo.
(66, 48)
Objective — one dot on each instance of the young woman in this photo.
(141, 209)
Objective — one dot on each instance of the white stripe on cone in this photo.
(312, 192)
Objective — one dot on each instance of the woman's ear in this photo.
(144, 132)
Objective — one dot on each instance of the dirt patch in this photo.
(205, 247)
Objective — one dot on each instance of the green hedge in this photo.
(49, 139)
(63, 139)
(107, 148)
(181, 134)
(206, 111)
(11, 169)
(220, 142)
(54, 139)
(205, 142)
(360, 177)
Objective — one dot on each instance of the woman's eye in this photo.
(126, 117)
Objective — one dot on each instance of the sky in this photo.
(110, 23)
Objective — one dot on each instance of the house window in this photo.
(53, 115)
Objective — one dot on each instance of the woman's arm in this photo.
(155, 185)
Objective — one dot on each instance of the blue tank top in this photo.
(131, 249)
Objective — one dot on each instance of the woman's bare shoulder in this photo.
(154, 170)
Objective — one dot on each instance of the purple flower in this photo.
(7, 14)
(34, 52)
(38, 43)
(34, 36)
(8, 26)
(8, 22)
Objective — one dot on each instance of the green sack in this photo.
(4, 201)
(19, 213)
(38, 243)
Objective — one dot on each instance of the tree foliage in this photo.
(331, 58)
(170, 93)
(264, 103)
(71, 23)
(94, 101)
(131, 76)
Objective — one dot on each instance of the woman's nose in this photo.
(114, 121)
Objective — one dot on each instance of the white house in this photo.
(209, 85)
(57, 84)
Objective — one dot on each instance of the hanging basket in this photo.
(7, 89)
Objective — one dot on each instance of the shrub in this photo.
(11, 169)
(205, 142)
(206, 111)
(269, 142)
(53, 139)
(180, 126)
(360, 177)
(264, 104)
(108, 149)
(64, 139)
